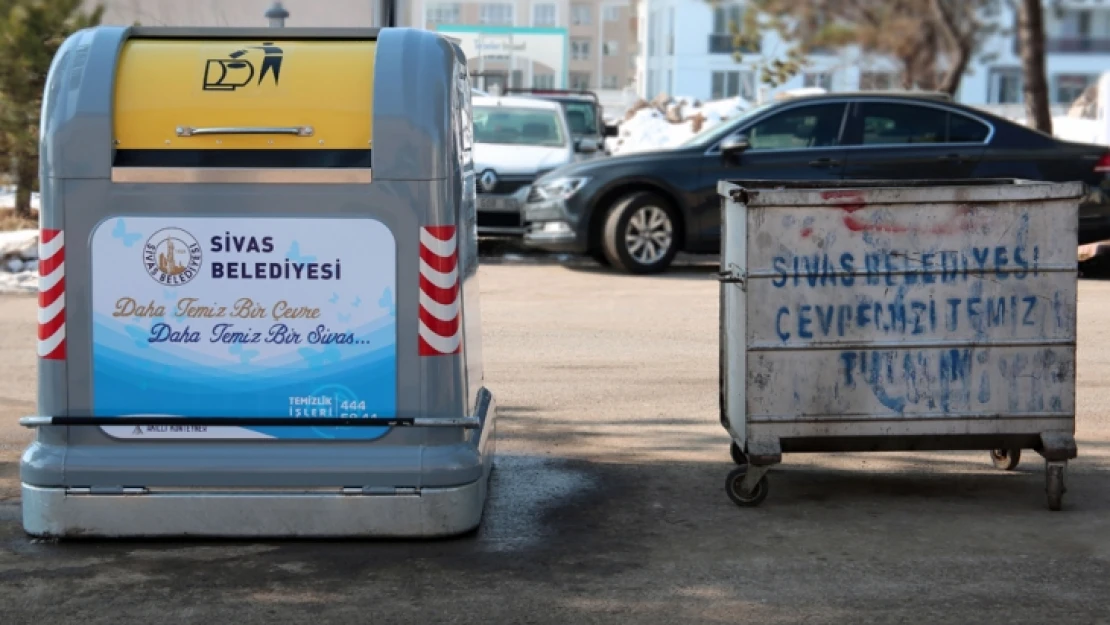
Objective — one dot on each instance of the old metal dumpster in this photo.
(898, 316)
(258, 307)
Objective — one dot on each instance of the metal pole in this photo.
(387, 13)
(512, 63)
(481, 62)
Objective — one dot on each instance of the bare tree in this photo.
(1030, 23)
(933, 41)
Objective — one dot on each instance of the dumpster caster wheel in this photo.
(1054, 485)
(1006, 459)
(738, 456)
(734, 486)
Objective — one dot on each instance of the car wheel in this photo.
(640, 234)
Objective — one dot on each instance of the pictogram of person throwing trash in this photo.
(271, 60)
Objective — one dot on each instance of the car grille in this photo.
(505, 185)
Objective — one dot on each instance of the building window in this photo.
(670, 31)
(611, 13)
(580, 49)
(494, 82)
(611, 82)
(580, 14)
(611, 48)
(1068, 87)
(1005, 85)
(544, 14)
(580, 81)
(543, 81)
(876, 81)
(822, 80)
(443, 13)
(1069, 23)
(497, 14)
(726, 18)
(733, 84)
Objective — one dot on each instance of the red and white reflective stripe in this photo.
(439, 291)
(52, 295)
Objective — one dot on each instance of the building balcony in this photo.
(1071, 45)
(1077, 44)
(721, 43)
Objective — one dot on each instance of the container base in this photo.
(432, 512)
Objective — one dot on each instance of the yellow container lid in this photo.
(230, 94)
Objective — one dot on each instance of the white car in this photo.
(516, 140)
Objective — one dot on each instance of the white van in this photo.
(516, 140)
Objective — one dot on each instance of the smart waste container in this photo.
(258, 312)
(898, 316)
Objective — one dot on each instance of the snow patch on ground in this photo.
(22, 282)
(7, 198)
(1075, 129)
(19, 264)
(23, 244)
(649, 129)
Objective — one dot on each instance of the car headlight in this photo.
(557, 189)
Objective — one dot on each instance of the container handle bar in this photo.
(299, 131)
(463, 422)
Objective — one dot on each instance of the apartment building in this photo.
(302, 13)
(1077, 52)
(688, 52)
(598, 46)
(687, 47)
(598, 52)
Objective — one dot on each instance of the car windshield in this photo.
(713, 133)
(517, 126)
(581, 118)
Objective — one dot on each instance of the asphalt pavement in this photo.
(608, 502)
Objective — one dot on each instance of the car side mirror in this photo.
(612, 131)
(734, 144)
(586, 146)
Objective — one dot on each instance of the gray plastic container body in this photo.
(420, 480)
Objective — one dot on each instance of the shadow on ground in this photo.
(565, 541)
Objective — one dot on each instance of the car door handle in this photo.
(824, 162)
(952, 158)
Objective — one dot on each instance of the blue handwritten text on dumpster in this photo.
(918, 328)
